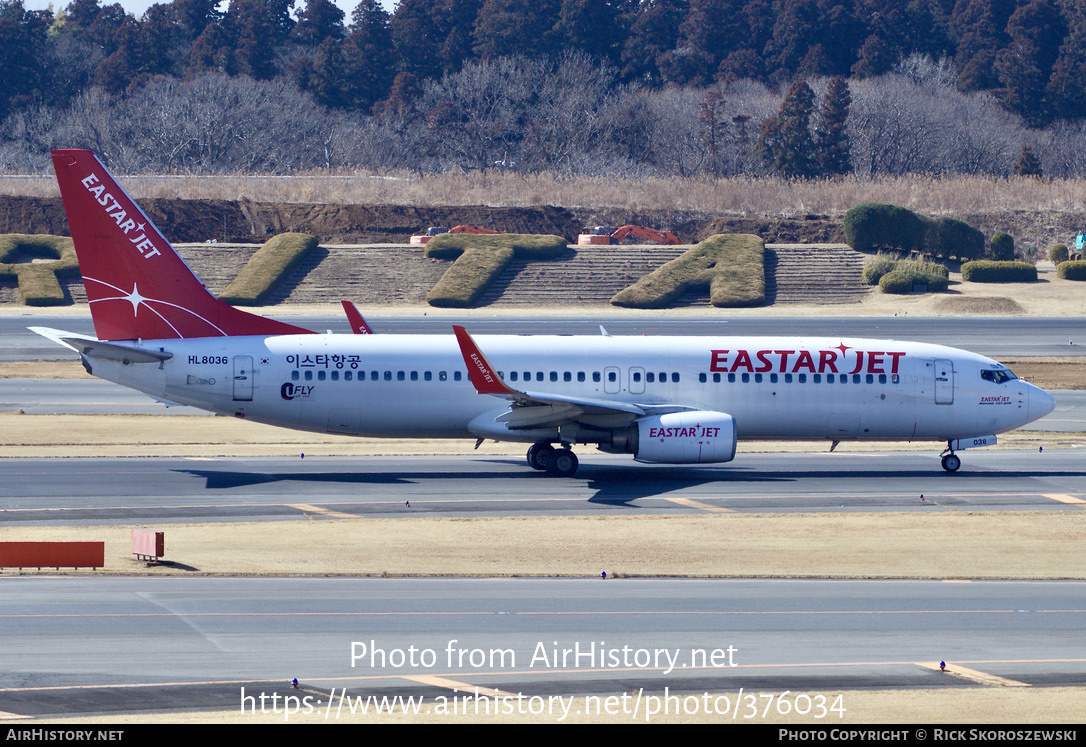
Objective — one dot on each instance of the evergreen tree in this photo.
(120, 68)
(22, 40)
(713, 125)
(1028, 164)
(1024, 66)
(506, 28)
(834, 156)
(369, 65)
(785, 145)
(595, 27)
(653, 33)
(977, 28)
(80, 15)
(434, 37)
(320, 20)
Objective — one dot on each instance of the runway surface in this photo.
(992, 336)
(104, 645)
(111, 491)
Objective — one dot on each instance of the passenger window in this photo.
(829, 378)
(567, 376)
(882, 378)
(650, 377)
(321, 375)
(294, 375)
(856, 378)
(348, 376)
(456, 375)
(442, 376)
(817, 378)
(554, 376)
(539, 376)
(773, 378)
(788, 378)
(731, 378)
(803, 378)
(612, 376)
(580, 376)
(716, 378)
(415, 376)
(428, 376)
(757, 378)
(675, 378)
(513, 376)
(596, 376)
(746, 378)
(701, 377)
(388, 376)
(335, 376)
(309, 376)
(637, 376)
(871, 378)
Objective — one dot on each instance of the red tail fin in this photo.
(137, 285)
(358, 324)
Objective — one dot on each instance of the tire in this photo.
(563, 463)
(952, 462)
(539, 456)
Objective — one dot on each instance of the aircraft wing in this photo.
(544, 409)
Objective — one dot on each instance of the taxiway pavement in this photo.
(109, 645)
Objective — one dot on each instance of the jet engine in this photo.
(690, 437)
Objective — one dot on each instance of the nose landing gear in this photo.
(951, 461)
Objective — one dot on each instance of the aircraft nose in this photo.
(1040, 403)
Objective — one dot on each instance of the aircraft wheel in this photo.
(563, 463)
(539, 456)
(951, 462)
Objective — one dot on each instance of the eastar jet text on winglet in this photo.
(671, 400)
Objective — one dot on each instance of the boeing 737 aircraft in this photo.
(670, 400)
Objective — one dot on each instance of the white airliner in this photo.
(670, 400)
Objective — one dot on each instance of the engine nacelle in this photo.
(692, 437)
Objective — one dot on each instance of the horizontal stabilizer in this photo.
(94, 348)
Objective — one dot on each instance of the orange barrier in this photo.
(148, 545)
(52, 554)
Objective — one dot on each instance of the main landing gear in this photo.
(557, 462)
(951, 461)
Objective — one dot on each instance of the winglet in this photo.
(482, 374)
(358, 324)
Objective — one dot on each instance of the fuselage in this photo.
(418, 385)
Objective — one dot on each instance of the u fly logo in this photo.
(289, 391)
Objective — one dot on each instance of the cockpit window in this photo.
(998, 375)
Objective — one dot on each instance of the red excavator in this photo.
(610, 235)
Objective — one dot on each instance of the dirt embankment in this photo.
(243, 221)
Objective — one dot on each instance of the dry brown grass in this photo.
(978, 306)
(941, 544)
(738, 196)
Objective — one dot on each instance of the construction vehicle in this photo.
(610, 235)
(433, 231)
